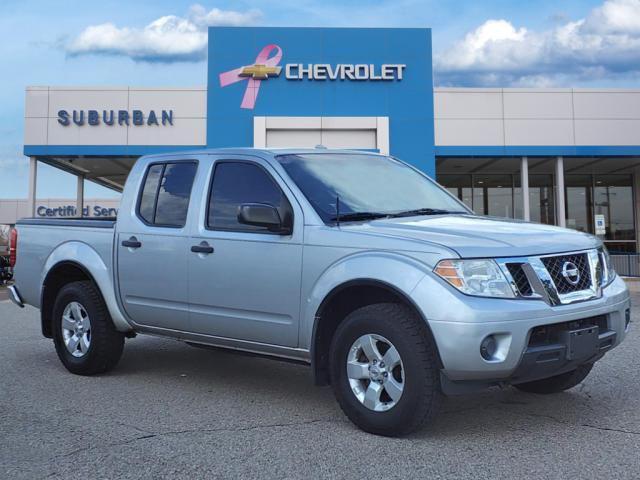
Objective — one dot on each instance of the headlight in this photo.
(608, 272)
(482, 278)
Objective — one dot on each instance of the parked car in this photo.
(353, 262)
(6, 272)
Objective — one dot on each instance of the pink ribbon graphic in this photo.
(253, 86)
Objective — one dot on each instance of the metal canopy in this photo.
(110, 172)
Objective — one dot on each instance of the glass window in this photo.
(165, 195)
(493, 195)
(236, 183)
(608, 195)
(613, 198)
(459, 186)
(371, 184)
(173, 197)
(578, 190)
(541, 198)
(149, 191)
(620, 247)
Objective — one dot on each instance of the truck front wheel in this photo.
(559, 383)
(86, 341)
(384, 369)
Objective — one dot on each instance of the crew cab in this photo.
(355, 263)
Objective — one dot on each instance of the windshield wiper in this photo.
(355, 216)
(426, 211)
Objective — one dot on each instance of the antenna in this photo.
(338, 210)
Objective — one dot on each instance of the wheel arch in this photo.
(76, 261)
(61, 274)
(340, 302)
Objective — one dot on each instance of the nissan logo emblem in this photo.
(571, 273)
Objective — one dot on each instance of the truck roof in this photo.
(263, 151)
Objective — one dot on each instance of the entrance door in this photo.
(248, 286)
(152, 254)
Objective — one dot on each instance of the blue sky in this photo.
(160, 43)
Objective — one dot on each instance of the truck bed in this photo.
(41, 241)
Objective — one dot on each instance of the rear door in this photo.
(248, 286)
(153, 246)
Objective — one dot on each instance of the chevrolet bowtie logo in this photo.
(260, 72)
(264, 66)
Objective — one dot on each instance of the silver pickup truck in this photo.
(355, 263)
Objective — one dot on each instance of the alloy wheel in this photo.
(375, 372)
(76, 329)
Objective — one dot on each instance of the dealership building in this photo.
(563, 156)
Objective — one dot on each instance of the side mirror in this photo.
(263, 215)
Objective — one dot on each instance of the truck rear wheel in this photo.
(86, 341)
(559, 383)
(384, 369)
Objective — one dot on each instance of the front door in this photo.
(248, 286)
(153, 250)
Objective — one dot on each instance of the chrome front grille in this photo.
(520, 279)
(555, 266)
(557, 279)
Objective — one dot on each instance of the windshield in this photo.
(367, 186)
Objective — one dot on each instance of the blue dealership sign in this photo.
(323, 72)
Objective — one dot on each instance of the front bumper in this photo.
(460, 323)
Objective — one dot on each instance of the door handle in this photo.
(204, 247)
(131, 243)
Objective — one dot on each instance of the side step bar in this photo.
(15, 296)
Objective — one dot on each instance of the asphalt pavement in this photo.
(170, 410)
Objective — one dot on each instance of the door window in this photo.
(237, 183)
(165, 196)
(147, 206)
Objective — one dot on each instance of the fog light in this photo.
(488, 348)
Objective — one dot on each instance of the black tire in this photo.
(106, 345)
(421, 395)
(559, 383)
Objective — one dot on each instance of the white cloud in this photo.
(168, 39)
(615, 17)
(604, 44)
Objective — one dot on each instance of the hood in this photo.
(475, 236)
